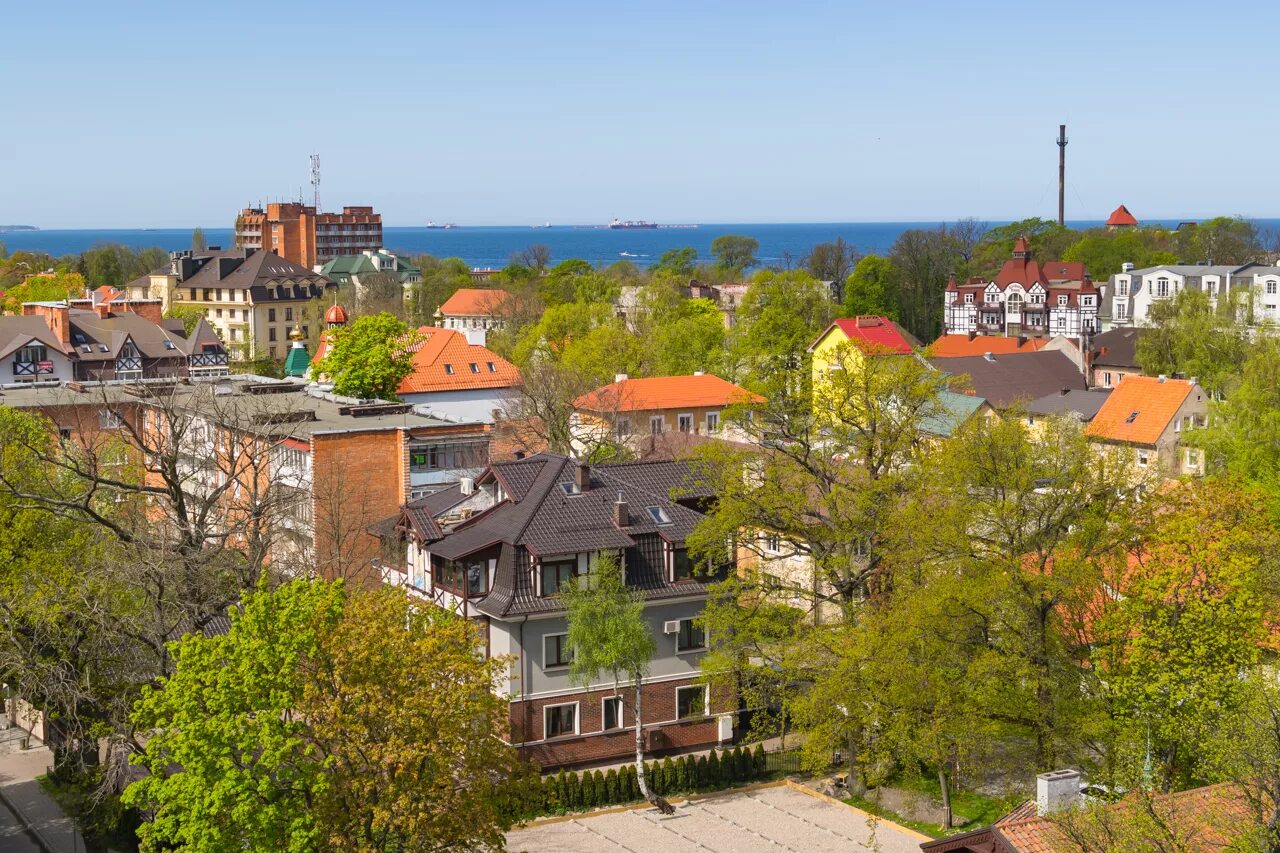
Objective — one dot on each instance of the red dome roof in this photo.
(336, 315)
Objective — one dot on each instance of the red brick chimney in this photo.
(147, 309)
(57, 316)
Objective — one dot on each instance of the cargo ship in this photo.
(631, 225)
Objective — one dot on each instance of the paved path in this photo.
(778, 819)
(25, 799)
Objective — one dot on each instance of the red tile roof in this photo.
(875, 334)
(474, 302)
(444, 361)
(106, 294)
(1121, 216)
(664, 392)
(958, 346)
(1140, 409)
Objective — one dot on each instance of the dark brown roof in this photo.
(255, 271)
(17, 332)
(1017, 379)
(1116, 348)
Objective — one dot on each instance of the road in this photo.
(13, 838)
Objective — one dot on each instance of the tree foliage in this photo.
(735, 253)
(369, 358)
(1190, 336)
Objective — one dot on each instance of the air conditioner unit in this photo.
(671, 626)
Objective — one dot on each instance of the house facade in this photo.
(498, 549)
(456, 376)
(1250, 291)
(474, 308)
(348, 269)
(1026, 298)
(1113, 356)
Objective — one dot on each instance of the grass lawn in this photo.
(981, 810)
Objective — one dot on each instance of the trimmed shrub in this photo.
(744, 764)
(611, 792)
(682, 774)
(597, 782)
(758, 760)
(713, 769)
(573, 793)
(632, 791)
(700, 773)
(588, 790)
(562, 790)
(668, 775)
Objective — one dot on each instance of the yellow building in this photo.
(872, 335)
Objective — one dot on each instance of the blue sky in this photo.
(155, 114)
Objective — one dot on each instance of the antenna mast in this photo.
(315, 179)
(1062, 171)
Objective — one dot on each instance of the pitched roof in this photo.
(957, 409)
(255, 270)
(474, 302)
(18, 331)
(664, 392)
(956, 346)
(1140, 409)
(443, 360)
(877, 334)
(1083, 404)
(1121, 216)
(1116, 348)
(297, 362)
(1020, 378)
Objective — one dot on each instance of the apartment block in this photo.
(299, 233)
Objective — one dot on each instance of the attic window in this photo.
(169, 345)
(658, 514)
(475, 368)
(1132, 417)
(570, 488)
(448, 369)
(104, 347)
(87, 348)
(492, 369)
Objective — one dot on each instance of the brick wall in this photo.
(358, 479)
(663, 733)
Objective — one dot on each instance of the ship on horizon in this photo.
(631, 225)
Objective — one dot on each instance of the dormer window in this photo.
(1133, 416)
(658, 514)
(448, 369)
(968, 299)
(475, 368)
(492, 368)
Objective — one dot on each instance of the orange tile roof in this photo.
(958, 346)
(1140, 409)
(444, 361)
(664, 392)
(1208, 819)
(474, 302)
(1121, 216)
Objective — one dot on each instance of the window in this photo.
(1086, 301)
(684, 423)
(1122, 288)
(611, 713)
(221, 296)
(658, 514)
(713, 422)
(1122, 311)
(475, 368)
(1193, 457)
(1271, 287)
(690, 637)
(218, 313)
(447, 457)
(557, 573)
(271, 315)
(32, 354)
(1162, 287)
(271, 333)
(657, 424)
(772, 543)
(555, 651)
(621, 427)
(681, 565)
(1106, 378)
(288, 315)
(691, 701)
(448, 369)
(560, 720)
(1143, 458)
(1062, 300)
(108, 419)
(968, 299)
(491, 366)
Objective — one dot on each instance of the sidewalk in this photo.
(19, 789)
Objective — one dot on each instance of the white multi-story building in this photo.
(1134, 291)
(1025, 298)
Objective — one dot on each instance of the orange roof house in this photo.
(959, 346)
(473, 308)
(444, 360)
(660, 393)
(1121, 218)
(1150, 413)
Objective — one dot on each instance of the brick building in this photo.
(498, 549)
(298, 233)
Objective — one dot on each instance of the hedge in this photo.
(570, 791)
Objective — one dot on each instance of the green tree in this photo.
(54, 287)
(679, 263)
(924, 259)
(1221, 240)
(609, 635)
(735, 253)
(1104, 252)
(780, 315)
(1188, 335)
(198, 242)
(832, 261)
(294, 732)
(873, 288)
(369, 358)
(190, 315)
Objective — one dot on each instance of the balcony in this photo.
(989, 326)
(32, 368)
(1034, 308)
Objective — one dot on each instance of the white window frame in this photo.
(577, 720)
(1162, 288)
(1106, 378)
(1122, 311)
(706, 700)
(622, 710)
(1062, 300)
(1144, 458)
(658, 421)
(713, 422)
(621, 427)
(684, 419)
(547, 665)
(968, 299)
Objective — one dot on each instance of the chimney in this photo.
(476, 337)
(1022, 341)
(621, 515)
(1161, 378)
(582, 476)
(620, 377)
(1057, 790)
(56, 316)
(1193, 380)
(1064, 392)
(1126, 267)
(973, 335)
(104, 310)
(867, 322)
(699, 373)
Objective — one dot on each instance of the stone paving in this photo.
(776, 818)
(25, 800)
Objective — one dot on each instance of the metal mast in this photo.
(1062, 171)
(315, 180)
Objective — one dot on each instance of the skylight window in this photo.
(1132, 417)
(570, 488)
(475, 368)
(448, 369)
(169, 345)
(492, 369)
(658, 514)
(104, 347)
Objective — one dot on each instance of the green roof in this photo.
(297, 362)
(348, 265)
(957, 408)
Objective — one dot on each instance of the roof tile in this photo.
(1140, 409)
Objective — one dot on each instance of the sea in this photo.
(493, 246)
